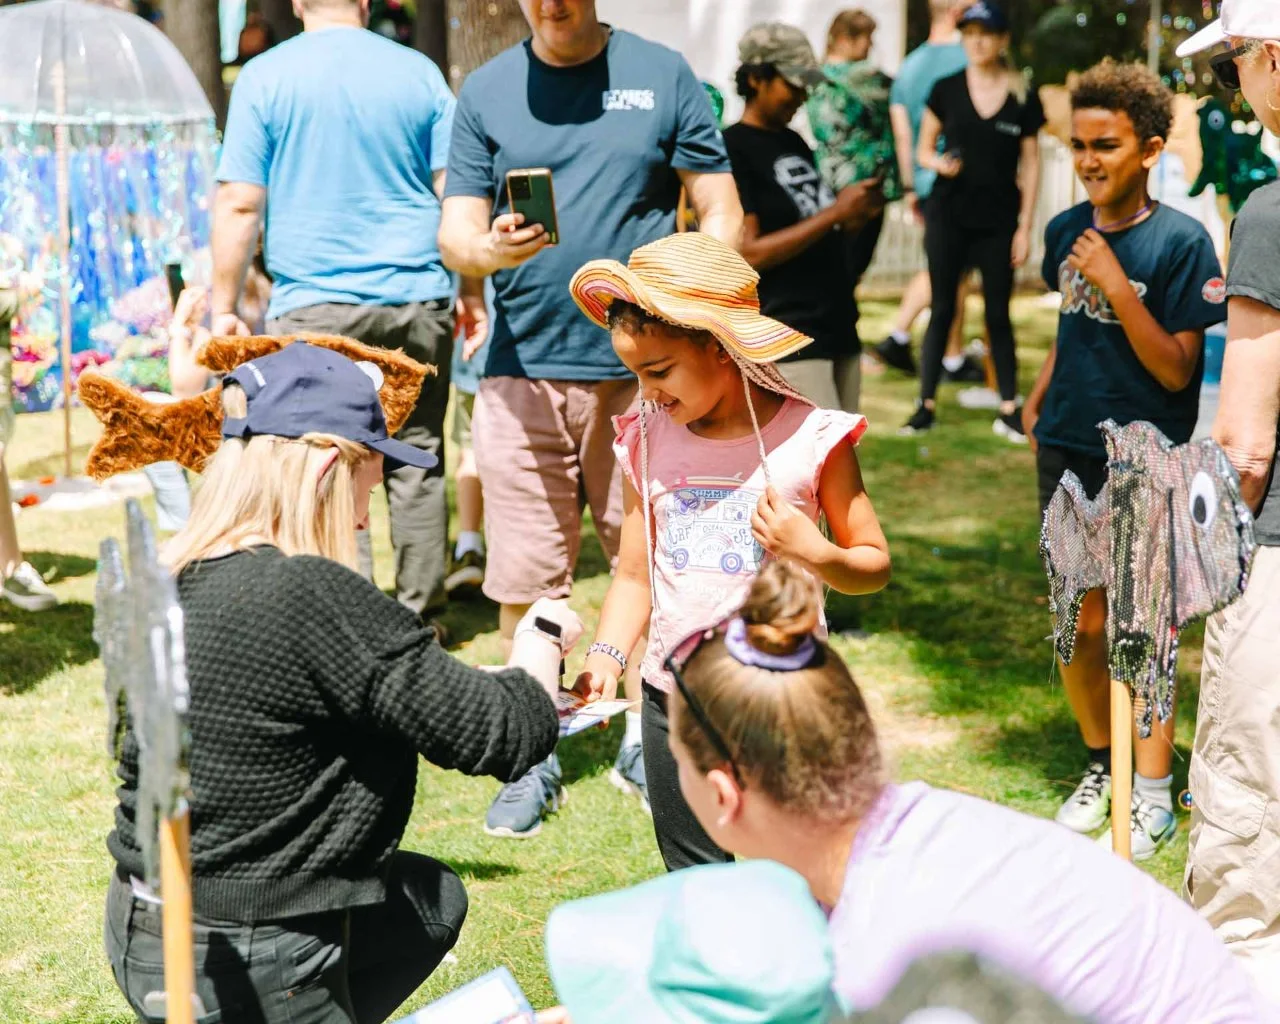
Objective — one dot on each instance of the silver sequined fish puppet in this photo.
(1170, 539)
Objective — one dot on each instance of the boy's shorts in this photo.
(463, 408)
(1052, 462)
(544, 450)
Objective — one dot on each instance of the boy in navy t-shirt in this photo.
(1140, 282)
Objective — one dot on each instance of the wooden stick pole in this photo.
(63, 188)
(1121, 768)
(175, 888)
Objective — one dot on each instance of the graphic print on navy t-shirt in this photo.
(1080, 295)
(801, 181)
(1170, 262)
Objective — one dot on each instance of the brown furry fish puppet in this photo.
(137, 432)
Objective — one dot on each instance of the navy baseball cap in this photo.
(986, 14)
(306, 389)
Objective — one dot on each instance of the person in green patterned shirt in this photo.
(849, 117)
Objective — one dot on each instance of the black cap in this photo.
(984, 13)
(305, 389)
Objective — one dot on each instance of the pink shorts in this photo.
(544, 451)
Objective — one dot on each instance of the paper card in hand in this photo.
(576, 715)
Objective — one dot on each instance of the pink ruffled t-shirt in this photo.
(702, 493)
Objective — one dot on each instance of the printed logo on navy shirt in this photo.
(628, 99)
(1215, 291)
(1080, 295)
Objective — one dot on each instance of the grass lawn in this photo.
(957, 666)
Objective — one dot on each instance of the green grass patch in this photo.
(955, 661)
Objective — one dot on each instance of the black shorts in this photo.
(1051, 463)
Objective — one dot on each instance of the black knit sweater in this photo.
(312, 695)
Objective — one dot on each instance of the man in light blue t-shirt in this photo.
(622, 123)
(341, 138)
(940, 55)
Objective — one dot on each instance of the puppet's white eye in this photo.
(1202, 502)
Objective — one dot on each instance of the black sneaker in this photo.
(970, 372)
(466, 576)
(921, 422)
(896, 355)
(1009, 426)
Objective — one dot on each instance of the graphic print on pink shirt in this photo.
(702, 494)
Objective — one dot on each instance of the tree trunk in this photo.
(430, 32)
(193, 27)
(279, 15)
(478, 31)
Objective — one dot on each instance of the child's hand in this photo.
(784, 531)
(1094, 258)
(598, 679)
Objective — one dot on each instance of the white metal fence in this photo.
(900, 253)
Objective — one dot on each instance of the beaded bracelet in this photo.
(609, 649)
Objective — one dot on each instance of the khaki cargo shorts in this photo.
(544, 450)
(1233, 862)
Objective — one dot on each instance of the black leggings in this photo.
(952, 250)
(343, 967)
(681, 840)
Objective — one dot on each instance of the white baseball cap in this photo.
(1243, 19)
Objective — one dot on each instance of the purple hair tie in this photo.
(746, 653)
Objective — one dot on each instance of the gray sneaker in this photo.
(518, 809)
(1089, 806)
(27, 590)
(1150, 827)
(628, 774)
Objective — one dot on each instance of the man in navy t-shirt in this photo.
(1140, 282)
(338, 138)
(622, 123)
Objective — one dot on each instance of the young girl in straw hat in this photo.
(725, 465)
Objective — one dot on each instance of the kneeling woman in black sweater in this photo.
(312, 696)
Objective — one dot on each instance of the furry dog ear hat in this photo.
(137, 432)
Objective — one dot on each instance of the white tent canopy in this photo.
(707, 31)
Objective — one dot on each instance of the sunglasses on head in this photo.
(1224, 67)
(675, 664)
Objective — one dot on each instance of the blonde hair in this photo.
(266, 487)
(805, 738)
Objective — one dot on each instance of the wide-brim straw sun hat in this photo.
(695, 281)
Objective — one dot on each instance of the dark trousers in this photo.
(343, 967)
(681, 840)
(417, 497)
(952, 250)
(859, 251)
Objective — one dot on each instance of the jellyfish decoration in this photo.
(107, 149)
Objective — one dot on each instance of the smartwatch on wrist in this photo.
(551, 631)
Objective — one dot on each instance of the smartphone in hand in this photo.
(529, 191)
(173, 274)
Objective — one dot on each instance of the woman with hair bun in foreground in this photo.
(778, 759)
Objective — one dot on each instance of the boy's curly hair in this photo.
(1131, 89)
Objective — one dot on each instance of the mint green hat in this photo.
(720, 944)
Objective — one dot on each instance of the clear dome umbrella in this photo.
(67, 64)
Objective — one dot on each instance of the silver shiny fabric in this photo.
(138, 627)
(1168, 537)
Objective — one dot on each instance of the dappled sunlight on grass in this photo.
(953, 656)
